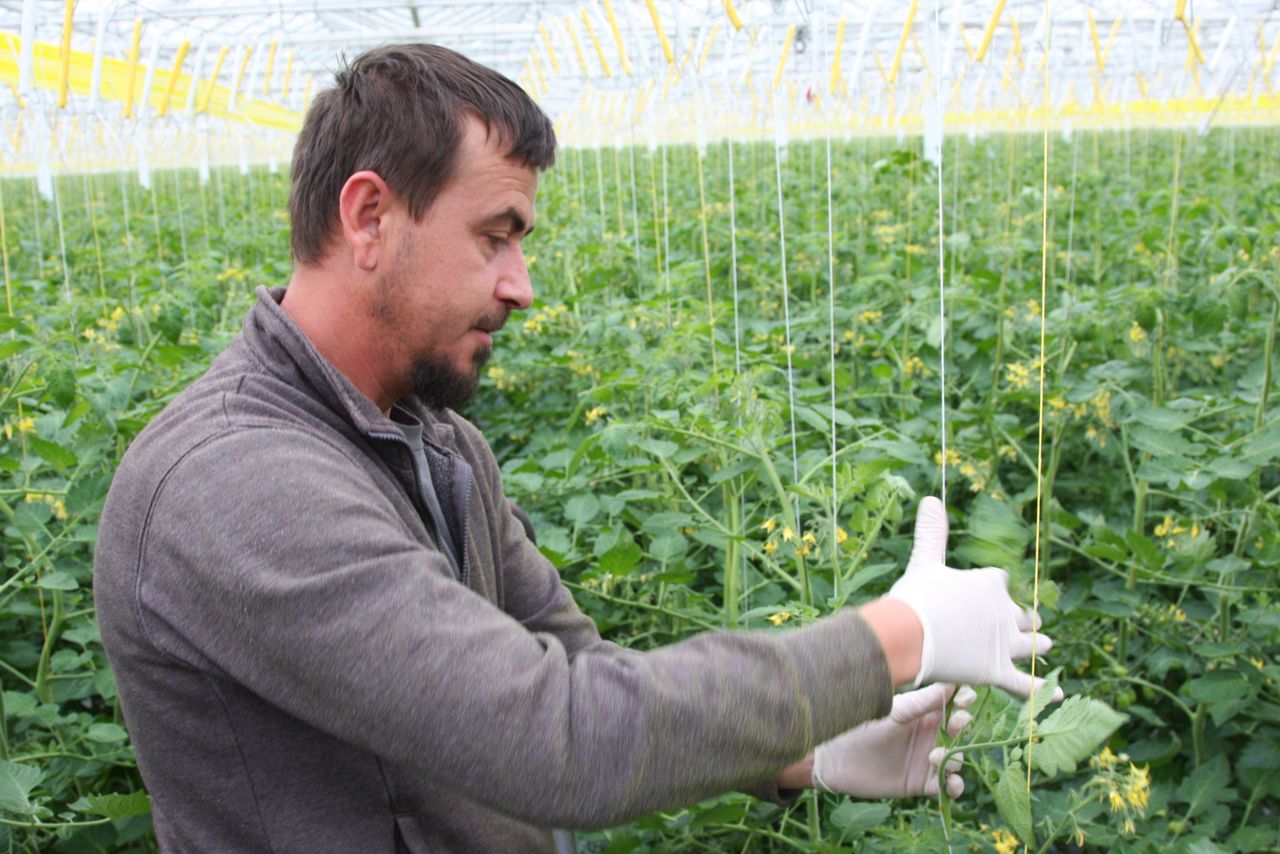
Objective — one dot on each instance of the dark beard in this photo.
(439, 385)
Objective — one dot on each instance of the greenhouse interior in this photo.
(798, 265)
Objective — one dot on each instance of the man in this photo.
(328, 629)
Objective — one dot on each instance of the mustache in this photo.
(493, 321)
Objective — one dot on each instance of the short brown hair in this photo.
(399, 111)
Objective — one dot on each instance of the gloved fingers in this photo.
(1026, 643)
(912, 704)
(964, 697)
(958, 721)
(955, 786)
(1027, 619)
(955, 763)
(1016, 682)
(930, 546)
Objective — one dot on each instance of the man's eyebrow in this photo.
(513, 219)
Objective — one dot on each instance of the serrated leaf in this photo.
(1043, 696)
(856, 817)
(16, 783)
(1206, 786)
(117, 806)
(1013, 799)
(53, 453)
(1073, 732)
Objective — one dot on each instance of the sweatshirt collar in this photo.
(287, 352)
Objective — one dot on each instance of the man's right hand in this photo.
(973, 630)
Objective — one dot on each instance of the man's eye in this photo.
(497, 241)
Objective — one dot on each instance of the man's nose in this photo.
(515, 287)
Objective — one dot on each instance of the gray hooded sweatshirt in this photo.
(302, 669)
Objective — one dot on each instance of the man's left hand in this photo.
(896, 756)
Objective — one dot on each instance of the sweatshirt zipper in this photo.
(417, 482)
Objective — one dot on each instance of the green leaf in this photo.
(106, 733)
(58, 580)
(10, 348)
(854, 817)
(1013, 799)
(16, 783)
(998, 535)
(1206, 786)
(581, 508)
(668, 546)
(1160, 443)
(1263, 447)
(622, 559)
(1073, 732)
(1044, 695)
(1159, 418)
(117, 806)
(53, 453)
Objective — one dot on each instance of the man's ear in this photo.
(363, 205)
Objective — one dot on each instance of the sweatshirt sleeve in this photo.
(266, 558)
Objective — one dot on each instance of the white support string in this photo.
(831, 322)
(831, 325)
(942, 285)
(786, 319)
(733, 267)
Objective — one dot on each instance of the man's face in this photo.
(454, 277)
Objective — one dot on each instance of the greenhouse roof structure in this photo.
(101, 79)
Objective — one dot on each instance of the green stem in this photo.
(42, 688)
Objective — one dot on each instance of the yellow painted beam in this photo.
(551, 51)
(577, 46)
(134, 51)
(662, 34)
(119, 78)
(64, 64)
(902, 42)
(834, 84)
(173, 77)
(990, 30)
(732, 12)
(604, 63)
(203, 105)
(617, 37)
(271, 65)
(288, 74)
(782, 58)
(706, 48)
(1097, 45)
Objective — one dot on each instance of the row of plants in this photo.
(707, 437)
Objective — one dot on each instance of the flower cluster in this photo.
(1169, 530)
(595, 414)
(502, 379)
(977, 472)
(1005, 842)
(59, 509)
(107, 324)
(24, 424)
(805, 545)
(1125, 789)
(539, 321)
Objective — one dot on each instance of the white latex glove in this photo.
(895, 757)
(973, 631)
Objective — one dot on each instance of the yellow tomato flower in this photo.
(780, 617)
(769, 525)
(788, 535)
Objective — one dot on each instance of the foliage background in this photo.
(651, 438)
